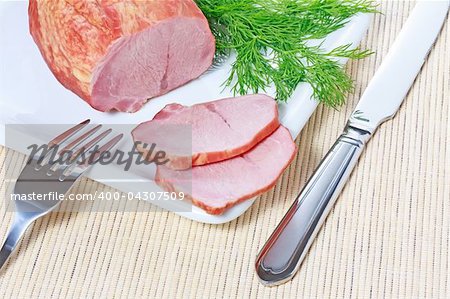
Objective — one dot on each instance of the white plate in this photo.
(30, 94)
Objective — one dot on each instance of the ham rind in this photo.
(217, 187)
(117, 54)
(220, 129)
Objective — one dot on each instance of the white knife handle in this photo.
(286, 248)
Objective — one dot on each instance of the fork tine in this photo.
(90, 144)
(93, 158)
(82, 149)
(79, 140)
(58, 140)
(64, 136)
(69, 147)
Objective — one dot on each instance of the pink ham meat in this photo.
(117, 54)
(219, 186)
(220, 129)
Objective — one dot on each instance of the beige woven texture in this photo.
(387, 237)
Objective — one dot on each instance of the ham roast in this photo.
(117, 54)
(218, 186)
(219, 129)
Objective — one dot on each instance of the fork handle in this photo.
(18, 228)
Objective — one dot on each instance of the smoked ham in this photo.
(218, 186)
(117, 54)
(219, 129)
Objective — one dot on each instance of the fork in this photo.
(41, 175)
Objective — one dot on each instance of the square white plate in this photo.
(30, 94)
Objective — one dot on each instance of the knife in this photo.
(281, 256)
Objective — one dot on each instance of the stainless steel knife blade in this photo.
(393, 79)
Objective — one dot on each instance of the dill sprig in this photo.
(271, 39)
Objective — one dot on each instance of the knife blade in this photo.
(393, 79)
(281, 256)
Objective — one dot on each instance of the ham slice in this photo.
(219, 186)
(117, 54)
(219, 130)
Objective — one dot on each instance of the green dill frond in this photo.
(271, 39)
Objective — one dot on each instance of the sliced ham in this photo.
(219, 186)
(220, 129)
(117, 54)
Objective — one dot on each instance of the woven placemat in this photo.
(387, 237)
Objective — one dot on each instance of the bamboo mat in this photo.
(387, 237)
